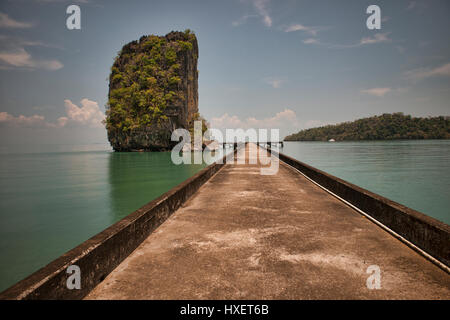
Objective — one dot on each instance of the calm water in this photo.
(52, 201)
(413, 173)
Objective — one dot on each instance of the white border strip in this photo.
(392, 232)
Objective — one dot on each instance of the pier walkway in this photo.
(244, 235)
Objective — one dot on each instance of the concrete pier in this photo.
(244, 235)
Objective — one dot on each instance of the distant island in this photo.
(383, 127)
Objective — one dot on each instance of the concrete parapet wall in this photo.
(99, 255)
(429, 234)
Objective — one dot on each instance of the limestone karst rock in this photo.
(153, 89)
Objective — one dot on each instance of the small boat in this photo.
(331, 140)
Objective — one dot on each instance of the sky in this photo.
(283, 64)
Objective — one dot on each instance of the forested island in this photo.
(383, 127)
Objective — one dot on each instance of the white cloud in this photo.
(225, 121)
(284, 119)
(274, 82)
(377, 38)
(32, 121)
(243, 20)
(298, 27)
(20, 58)
(261, 9)
(311, 41)
(378, 92)
(14, 55)
(419, 74)
(8, 22)
(89, 114)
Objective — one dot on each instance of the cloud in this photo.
(225, 121)
(14, 55)
(423, 73)
(298, 27)
(261, 9)
(8, 22)
(22, 59)
(274, 82)
(378, 92)
(89, 115)
(243, 20)
(284, 119)
(377, 38)
(32, 121)
(311, 41)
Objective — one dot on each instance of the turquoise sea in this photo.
(52, 198)
(52, 201)
(415, 173)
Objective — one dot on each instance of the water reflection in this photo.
(135, 178)
(51, 202)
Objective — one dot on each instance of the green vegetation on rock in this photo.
(383, 127)
(197, 117)
(153, 90)
(145, 80)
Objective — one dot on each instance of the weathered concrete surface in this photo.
(426, 233)
(249, 236)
